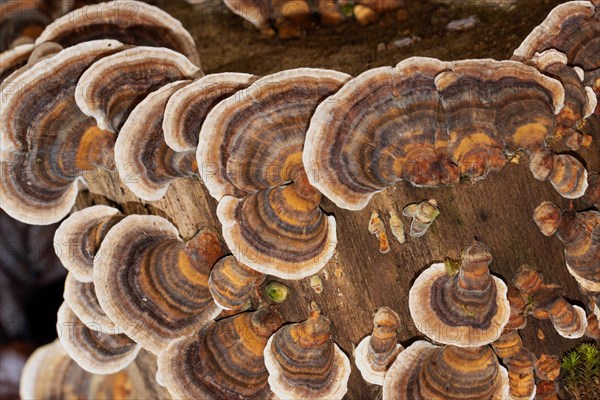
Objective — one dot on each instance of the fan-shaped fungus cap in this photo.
(82, 300)
(78, 238)
(425, 371)
(224, 360)
(304, 362)
(571, 28)
(149, 280)
(21, 22)
(51, 374)
(427, 122)
(547, 367)
(46, 141)
(187, 108)
(146, 164)
(130, 22)
(12, 60)
(566, 174)
(467, 309)
(518, 303)
(250, 151)
(111, 88)
(547, 217)
(96, 352)
(257, 12)
(521, 377)
(232, 284)
(375, 354)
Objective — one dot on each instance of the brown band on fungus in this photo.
(566, 174)
(46, 142)
(571, 28)
(130, 22)
(232, 284)
(304, 362)
(147, 165)
(426, 122)
(425, 371)
(111, 88)
(78, 238)
(12, 60)
(81, 299)
(509, 344)
(592, 193)
(224, 360)
(250, 158)
(187, 108)
(95, 351)
(518, 304)
(375, 354)
(521, 376)
(466, 309)
(547, 367)
(149, 280)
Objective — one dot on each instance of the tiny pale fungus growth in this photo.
(304, 362)
(316, 283)
(377, 228)
(423, 215)
(397, 227)
(277, 292)
(375, 354)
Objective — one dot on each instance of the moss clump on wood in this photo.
(581, 372)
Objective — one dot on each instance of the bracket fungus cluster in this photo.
(125, 91)
(250, 150)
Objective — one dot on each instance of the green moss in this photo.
(581, 372)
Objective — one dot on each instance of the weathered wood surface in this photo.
(359, 279)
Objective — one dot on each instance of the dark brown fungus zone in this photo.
(467, 308)
(224, 360)
(304, 362)
(427, 122)
(232, 284)
(12, 60)
(78, 238)
(152, 283)
(375, 354)
(130, 22)
(47, 143)
(81, 299)
(250, 159)
(187, 108)
(111, 88)
(580, 234)
(95, 351)
(425, 371)
(146, 164)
